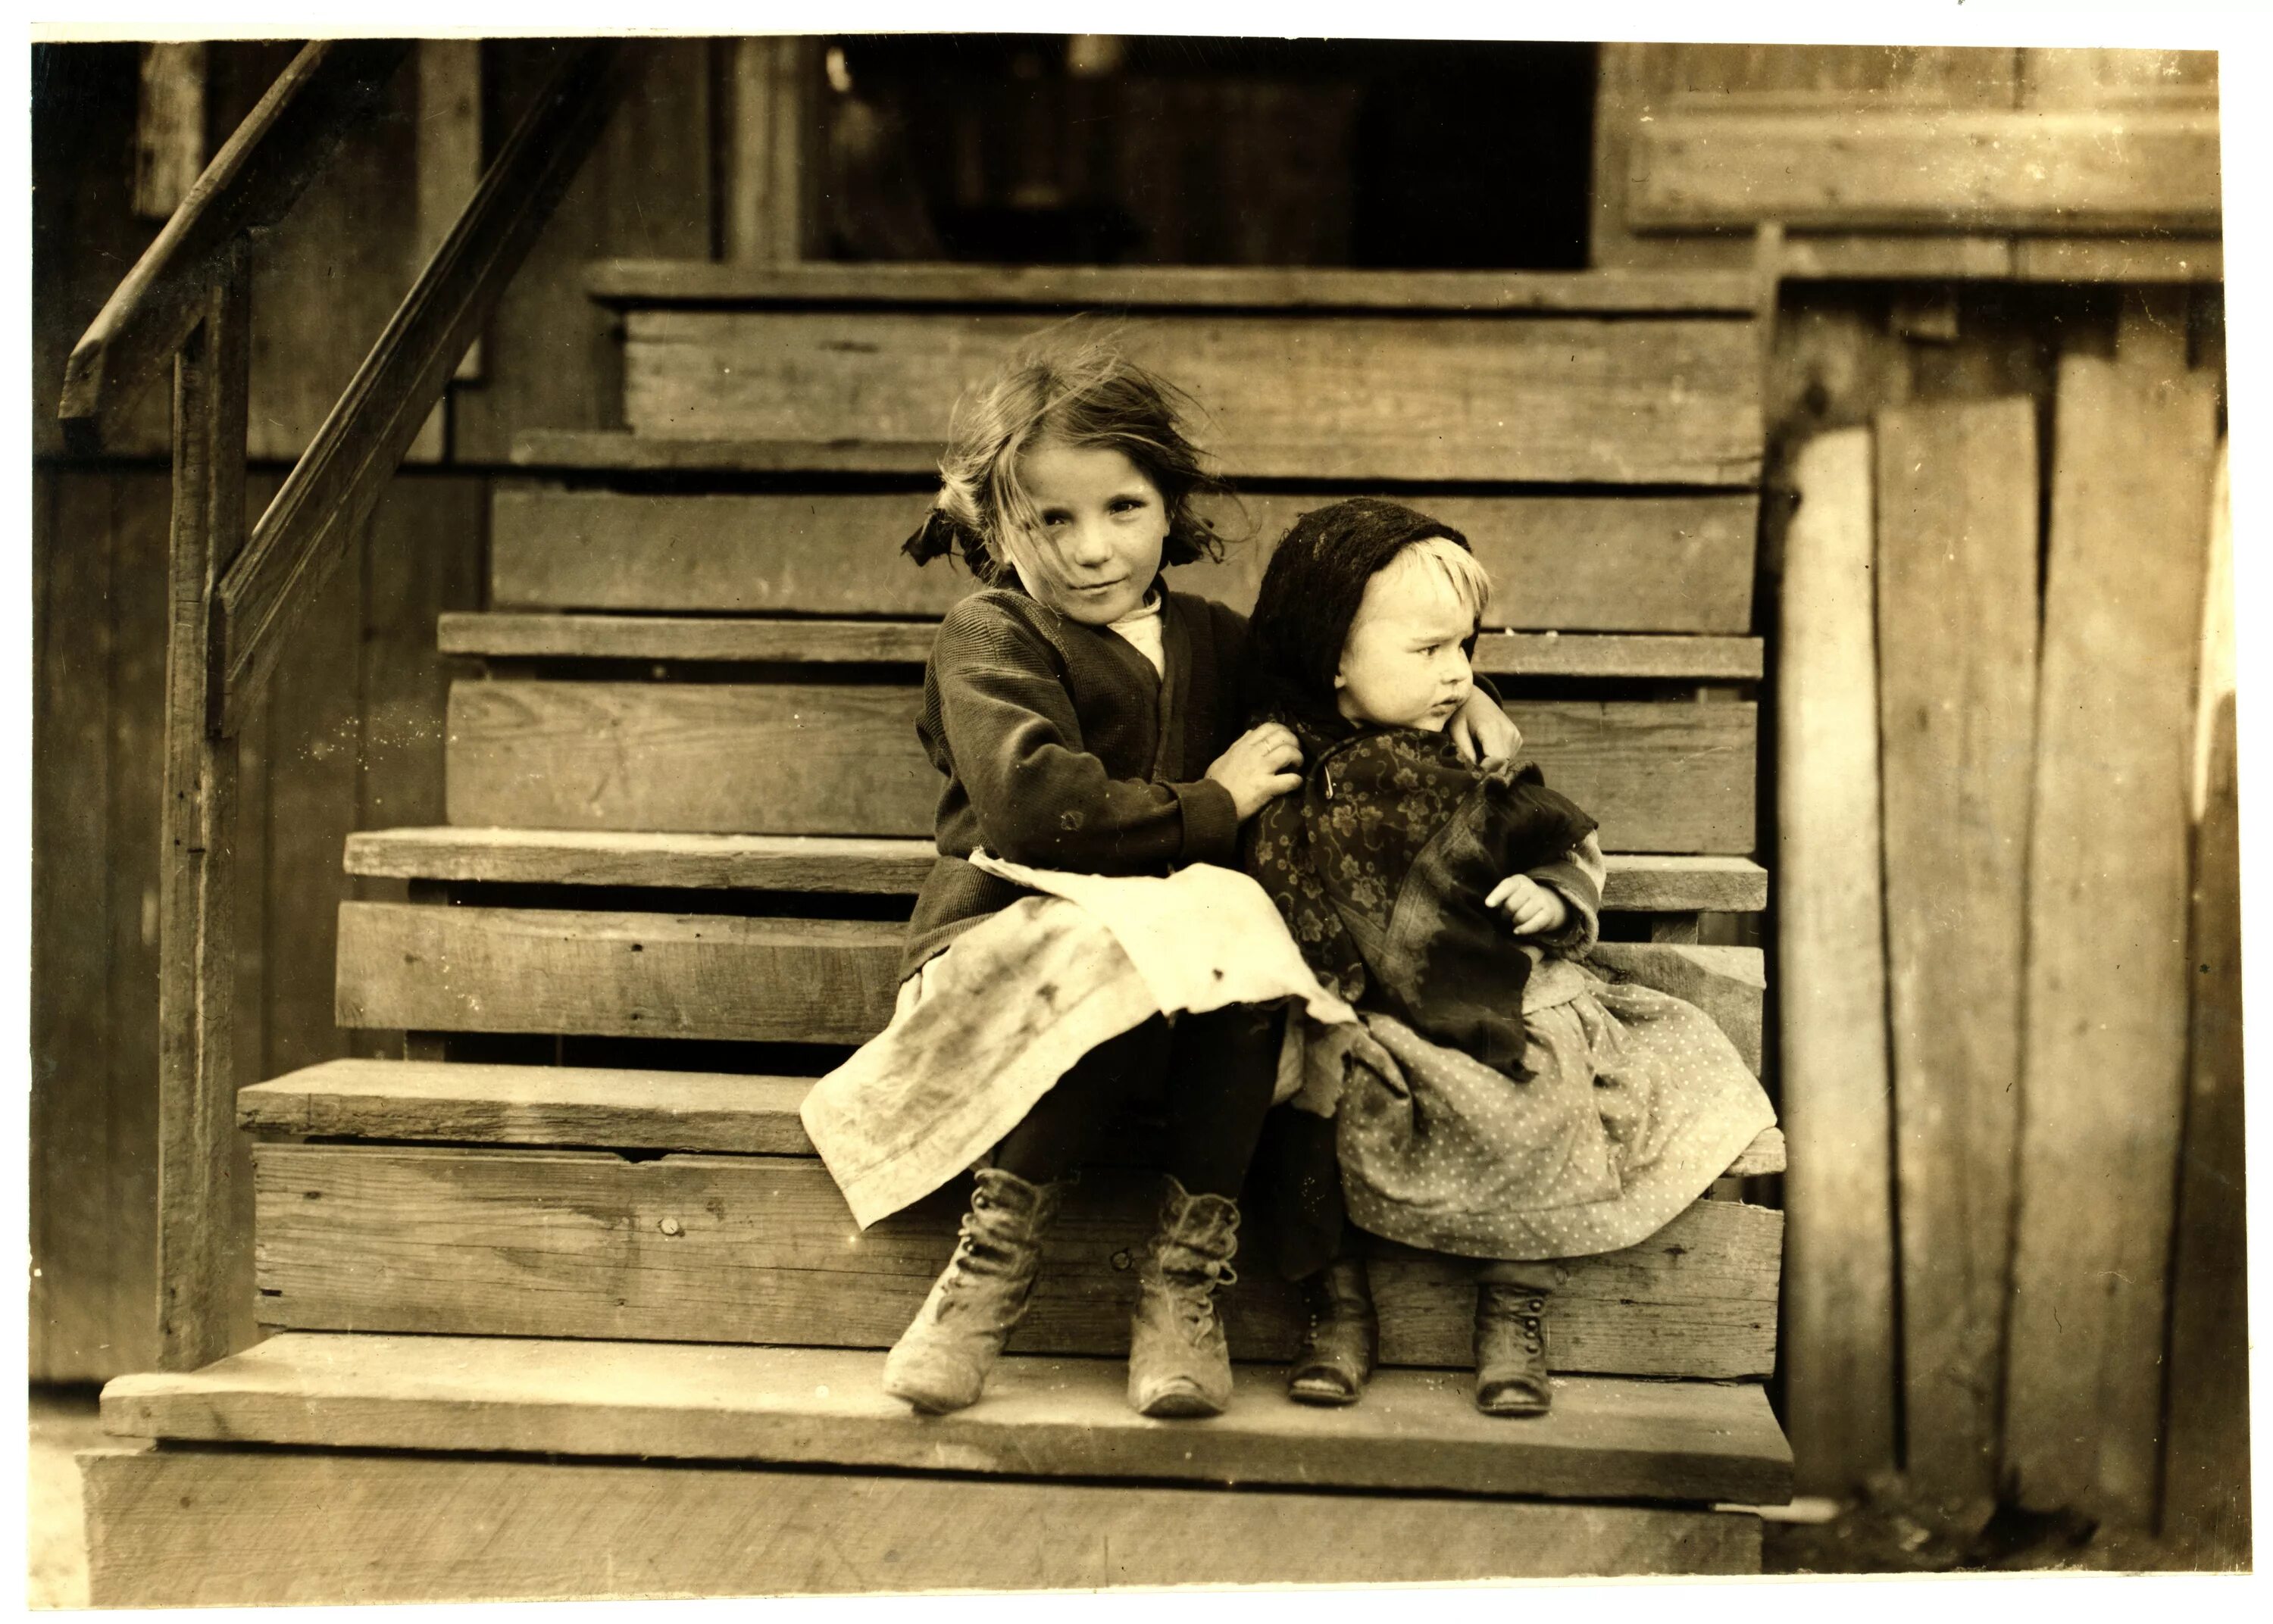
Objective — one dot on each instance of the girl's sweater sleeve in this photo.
(1038, 796)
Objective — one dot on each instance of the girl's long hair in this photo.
(1070, 384)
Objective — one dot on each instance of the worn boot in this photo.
(1344, 1339)
(1178, 1363)
(941, 1360)
(1511, 1350)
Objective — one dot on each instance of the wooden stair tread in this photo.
(511, 635)
(1605, 1438)
(1645, 883)
(579, 1105)
(614, 451)
(683, 281)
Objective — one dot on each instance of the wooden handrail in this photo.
(330, 87)
(308, 527)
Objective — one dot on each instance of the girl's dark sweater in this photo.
(1063, 748)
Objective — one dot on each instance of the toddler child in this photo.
(1510, 1106)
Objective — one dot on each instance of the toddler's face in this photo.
(1102, 525)
(1401, 664)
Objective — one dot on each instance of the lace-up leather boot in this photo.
(1511, 1350)
(1178, 1362)
(941, 1360)
(1344, 1339)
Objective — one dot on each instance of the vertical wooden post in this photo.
(197, 1087)
(169, 126)
(772, 146)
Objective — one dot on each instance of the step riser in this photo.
(1610, 563)
(843, 759)
(760, 1249)
(408, 966)
(1670, 401)
(199, 1527)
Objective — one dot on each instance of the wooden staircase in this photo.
(562, 1303)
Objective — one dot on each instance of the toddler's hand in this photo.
(1481, 731)
(1259, 768)
(1532, 909)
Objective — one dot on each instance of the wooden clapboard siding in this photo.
(705, 1248)
(1957, 605)
(908, 642)
(75, 1223)
(1635, 883)
(193, 1527)
(1831, 981)
(1671, 401)
(1610, 563)
(2206, 1492)
(1417, 1432)
(796, 759)
(414, 967)
(2103, 1085)
(575, 1106)
(422, 560)
(550, 354)
(652, 283)
(1895, 168)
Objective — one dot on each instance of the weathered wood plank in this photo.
(449, 149)
(795, 758)
(710, 1248)
(2104, 1081)
(421, 558)
(73, 1235)
(495, 970)
(573, 1106)
(2119, 259)
(196, 914)
(775, 149)
(1860, 166)
(1673, 402)
(1418, 1432)
(202, 1527)
(908, 642)
(1957, 610)
(612, 450)
(2206, 1490)
(1831, 979)
(1636, 883)
(665, 282)
(1612, 562)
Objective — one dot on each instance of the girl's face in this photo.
(1401, 665)
(1102, 525)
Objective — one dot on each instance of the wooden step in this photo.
(1573, 398)
(205, 1525)
(844, 758)
(527, 636)
(682, 281)
(412, 966)
(440, 1240)
(1636, 883)
(1614, 561)
(1416, 1431)
(579, 1106)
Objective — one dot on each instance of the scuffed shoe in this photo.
(1178, 1365)
(941, 1360)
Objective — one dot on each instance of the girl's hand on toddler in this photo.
(1481, 731)
(1532, 908)
(1259, 767)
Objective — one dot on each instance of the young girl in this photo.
(1088, 723)
(1511, 1107)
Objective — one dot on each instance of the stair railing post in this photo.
(196, 982)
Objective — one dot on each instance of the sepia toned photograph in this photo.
(882, 813)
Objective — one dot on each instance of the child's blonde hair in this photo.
(1073, 386)
(1470, 582)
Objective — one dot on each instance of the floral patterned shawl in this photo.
(1380, 863)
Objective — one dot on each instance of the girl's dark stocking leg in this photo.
(1221, 1071)
(1073, 1122)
